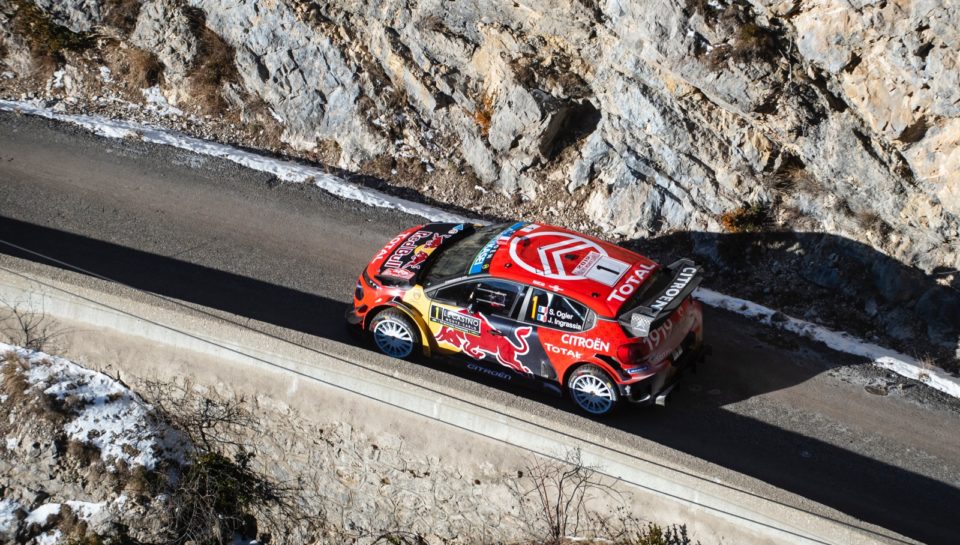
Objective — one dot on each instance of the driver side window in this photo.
(491, 297)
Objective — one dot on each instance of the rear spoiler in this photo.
(641, 319)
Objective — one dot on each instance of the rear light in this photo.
(633, 358)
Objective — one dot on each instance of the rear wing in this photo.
(656, 307)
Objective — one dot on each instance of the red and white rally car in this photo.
(535, 302)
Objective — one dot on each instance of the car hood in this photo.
(405, 257)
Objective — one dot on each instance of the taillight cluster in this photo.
(630, 353)
(633, 357)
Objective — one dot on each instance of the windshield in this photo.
(454, 261)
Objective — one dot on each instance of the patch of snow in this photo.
(121, 502)
(156, 102)
(6, 74)
(57, 81)
(86, 510)
(283, 170)
(49, 538)
(276, 116)
(105, 75)
(110, 417)
(12, 443)
(41, 514)
(3, 398)
(844, 342)
(8, 516)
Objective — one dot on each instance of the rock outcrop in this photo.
(656, 117)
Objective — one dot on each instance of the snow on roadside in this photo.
(843, 342)
(298, 173)
(8, 516)
(42, 514)
(284, 170)
(109, 415)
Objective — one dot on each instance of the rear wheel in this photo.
(394, 334)
(593, 391)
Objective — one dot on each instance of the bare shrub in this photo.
(220, 490)
(553, 496)
(792, 176)
(654, 534)
(23, 327)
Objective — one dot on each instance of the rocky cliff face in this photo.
(646, 118)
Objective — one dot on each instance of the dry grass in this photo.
(214, 65)
(121, 14)
(872, 222)
(747, 41)
(484, 114)
(142, 68)
(47, 40)
(749, 218)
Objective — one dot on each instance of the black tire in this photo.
(393, 333)
(592, 391)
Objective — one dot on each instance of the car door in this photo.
(479, 319)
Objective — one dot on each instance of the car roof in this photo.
(596, 273)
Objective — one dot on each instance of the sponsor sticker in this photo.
(601, 268)
(455, 320)
(586, 343)
(402, 274)
(417, 247)
(552, 247)
(507, 346)
(632, 282)
(680, 282)
(481, 263)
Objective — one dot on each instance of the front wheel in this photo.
(593, 391)
(394, 334)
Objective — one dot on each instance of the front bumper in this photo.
(655, 388)
(354, 321)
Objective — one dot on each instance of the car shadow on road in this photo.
(697, 422)
(177, 279)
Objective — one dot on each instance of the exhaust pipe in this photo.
(662, 396)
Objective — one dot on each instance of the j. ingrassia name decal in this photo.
(455, 320)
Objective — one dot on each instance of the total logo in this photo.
(553, 246)
(562, 350)
(631, 283)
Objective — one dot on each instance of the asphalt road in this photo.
(770, 405)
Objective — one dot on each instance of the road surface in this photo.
(770, 405)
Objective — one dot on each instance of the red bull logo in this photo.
(490, 342)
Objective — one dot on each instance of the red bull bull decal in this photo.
(505, 347)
